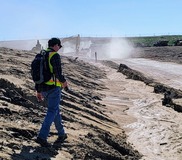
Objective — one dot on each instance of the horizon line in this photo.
(96, 36)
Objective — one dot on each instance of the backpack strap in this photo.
(51, 54)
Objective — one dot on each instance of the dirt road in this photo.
(165, 72)
(154, 130)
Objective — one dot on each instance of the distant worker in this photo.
(50, 92)
(95, 56)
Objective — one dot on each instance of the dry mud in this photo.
(107, 114)
(92, 134)
(157, 132)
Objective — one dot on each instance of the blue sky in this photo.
(33, 19)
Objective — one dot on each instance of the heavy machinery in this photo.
(178, 42)
(73, 43)
(161, 43)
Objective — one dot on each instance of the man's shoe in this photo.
(61, 139)
(42, 142)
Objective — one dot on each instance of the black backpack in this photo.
(40, 71)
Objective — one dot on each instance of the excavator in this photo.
(75, 40)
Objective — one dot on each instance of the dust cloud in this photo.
(23, 44)
(104, 48)
(117, 48)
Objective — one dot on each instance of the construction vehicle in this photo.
(73, 41)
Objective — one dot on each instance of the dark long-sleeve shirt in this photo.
(57, 70)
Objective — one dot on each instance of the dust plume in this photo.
(104, 48)
(117, 48)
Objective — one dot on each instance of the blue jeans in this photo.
(52, 100)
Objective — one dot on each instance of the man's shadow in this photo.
(36, 153)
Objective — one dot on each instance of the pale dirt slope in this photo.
(102, 104)
(92, 134)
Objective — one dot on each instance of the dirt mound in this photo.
(91, 133)
(164, 54)
(172, 96)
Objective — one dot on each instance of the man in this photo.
(50, 92)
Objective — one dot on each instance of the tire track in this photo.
(153, 129)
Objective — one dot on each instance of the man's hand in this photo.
(65, 86)
(39, 97)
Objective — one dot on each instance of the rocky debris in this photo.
(170, 94)
(91, 133)
(176, 103)
(110, 64)
(133, 74)
(161, 43)
(178, 42)
(167, 100)
(164, 54)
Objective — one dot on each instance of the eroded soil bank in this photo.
(156, 129)
(106, 114)
(92, 134)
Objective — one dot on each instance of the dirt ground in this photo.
(106, 114)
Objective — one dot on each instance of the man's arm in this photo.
(57, 69)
